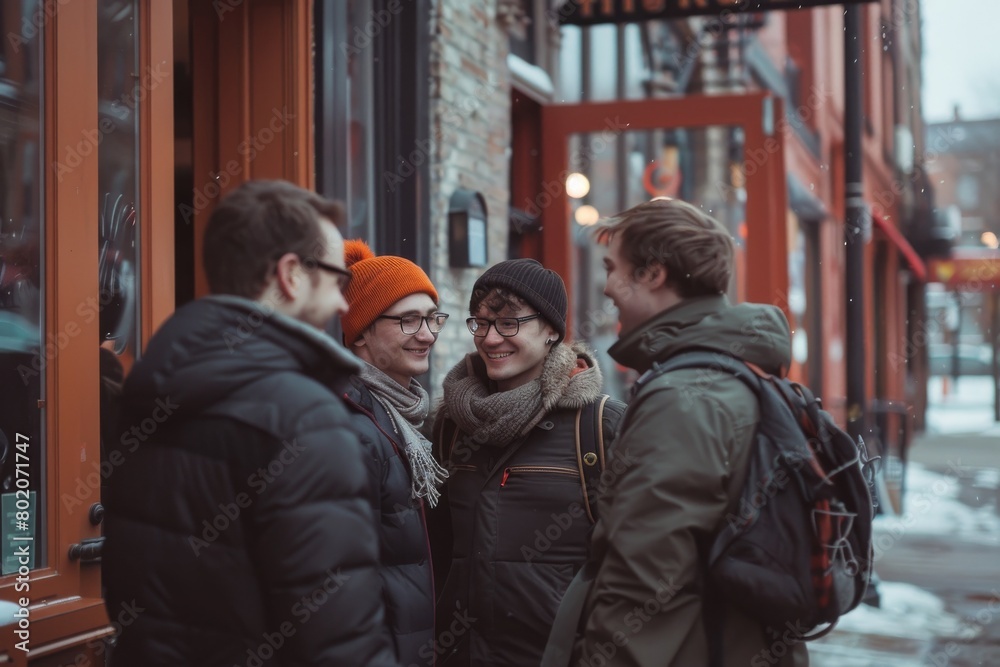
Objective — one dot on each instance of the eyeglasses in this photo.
(343, 275)
(505, 326)
(410, 324)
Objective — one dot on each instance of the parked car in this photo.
(972, 359)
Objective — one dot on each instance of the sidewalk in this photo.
(938, 559)
(978, 449)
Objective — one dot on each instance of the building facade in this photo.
(451, 129)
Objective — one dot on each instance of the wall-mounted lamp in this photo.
(467, 229)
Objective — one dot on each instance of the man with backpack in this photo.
(644, 597)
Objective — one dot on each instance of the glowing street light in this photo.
(577, 185)
(587, 215)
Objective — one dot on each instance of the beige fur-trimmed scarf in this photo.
(502, 417)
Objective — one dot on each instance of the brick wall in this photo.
(470, 135)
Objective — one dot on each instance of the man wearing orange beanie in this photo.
(391, 326)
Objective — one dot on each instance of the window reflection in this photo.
(24, 354)
(359, 82)
(117, 81)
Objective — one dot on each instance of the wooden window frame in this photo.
(67, 609)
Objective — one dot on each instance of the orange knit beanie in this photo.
(377, 283)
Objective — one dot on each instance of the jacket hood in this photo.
(213, 346)
(757, 333)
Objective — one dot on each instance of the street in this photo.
(939, 560)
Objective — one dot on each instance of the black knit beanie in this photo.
(542, 288)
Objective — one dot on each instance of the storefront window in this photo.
(118, 81)
(360, 114)
(24, 352)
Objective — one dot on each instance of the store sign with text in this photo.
(590, 12)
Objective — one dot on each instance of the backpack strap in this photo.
(709, 361)
(590, 451)
(445, 440)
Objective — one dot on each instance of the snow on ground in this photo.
(966, 408)
(901, 631)
(906, 611)
(897, 634)
(931, 507)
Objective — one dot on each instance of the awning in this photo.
(806, 205)
(891, 232)
(968, 270)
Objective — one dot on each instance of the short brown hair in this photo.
(254, 226)
(694, 248)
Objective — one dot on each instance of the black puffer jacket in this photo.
(408, 584)
(240, 527)
(518, 533)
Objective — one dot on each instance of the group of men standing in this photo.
(306, 505)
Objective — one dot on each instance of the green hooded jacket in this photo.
(677, 466)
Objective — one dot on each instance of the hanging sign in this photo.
(590, 12)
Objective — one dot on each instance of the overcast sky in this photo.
(961, 58)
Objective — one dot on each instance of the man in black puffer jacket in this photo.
(240, 521)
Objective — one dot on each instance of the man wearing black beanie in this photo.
(515, 519)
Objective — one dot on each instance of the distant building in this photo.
(964, 167)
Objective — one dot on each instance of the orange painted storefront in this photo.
(251, 60)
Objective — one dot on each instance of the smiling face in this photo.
(512, 361)
(386, 347)
(319, 298)
(629, 289)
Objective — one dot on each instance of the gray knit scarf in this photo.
(502, 417)
(408, 407)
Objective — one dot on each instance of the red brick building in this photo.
(124, 122)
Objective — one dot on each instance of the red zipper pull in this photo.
(506, 474)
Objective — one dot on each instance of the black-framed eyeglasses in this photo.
(505, 326)
(410, 324)
(343, 275)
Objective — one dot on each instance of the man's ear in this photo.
(551, 335)
(289, 275)
(657, 275)
(653, 274)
